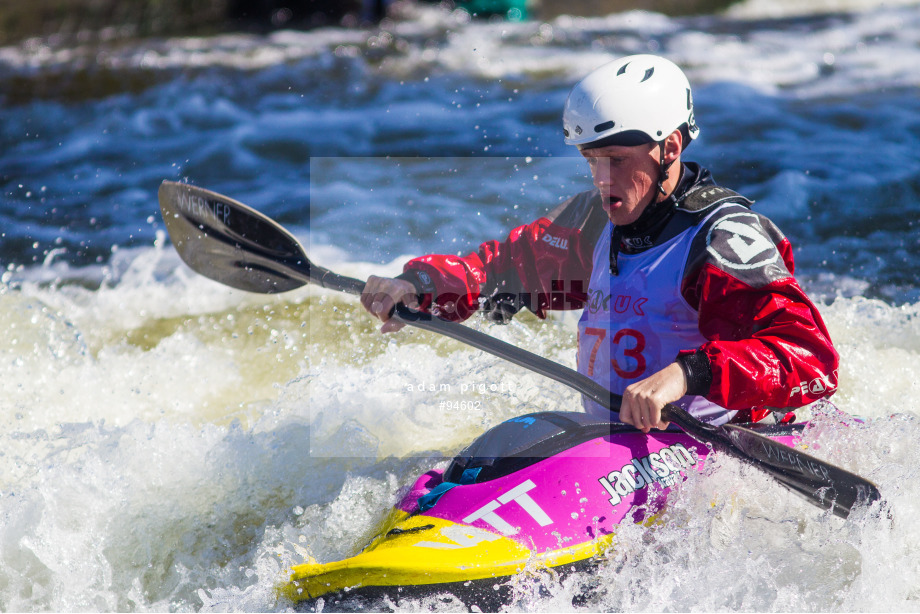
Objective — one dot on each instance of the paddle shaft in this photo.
(235, 245)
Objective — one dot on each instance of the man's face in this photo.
(626, 177)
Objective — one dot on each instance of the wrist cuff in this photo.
(698, 371)
(424, 286)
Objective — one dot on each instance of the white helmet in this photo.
(633, 100)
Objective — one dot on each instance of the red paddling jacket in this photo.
(761, 343)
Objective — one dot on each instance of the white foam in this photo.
(170, 444)
(759, 9)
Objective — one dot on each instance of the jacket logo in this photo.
(556, 241)
(637, 242)
(817, 386)
(737, 242)
(598, 301)
(711, 193)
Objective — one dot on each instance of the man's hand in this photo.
(382, 294)
(644, 400)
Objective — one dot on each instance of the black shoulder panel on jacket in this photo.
(703, 197)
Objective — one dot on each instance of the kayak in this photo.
(546, 489)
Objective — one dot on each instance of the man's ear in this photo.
(673, 146)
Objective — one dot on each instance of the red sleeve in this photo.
(767, 344)
(542, 265)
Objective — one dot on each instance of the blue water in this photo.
(167, 443)
(838, 171)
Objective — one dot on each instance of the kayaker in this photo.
(688, 296)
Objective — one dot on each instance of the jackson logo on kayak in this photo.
(203, 209)
(663, 467)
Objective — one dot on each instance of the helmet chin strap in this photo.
(663, 169)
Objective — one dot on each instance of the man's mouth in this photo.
(612, 202)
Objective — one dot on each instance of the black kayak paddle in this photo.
(237, 246)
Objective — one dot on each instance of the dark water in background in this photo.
(822, 136)
(154, 425)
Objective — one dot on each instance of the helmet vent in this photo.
(604, 126)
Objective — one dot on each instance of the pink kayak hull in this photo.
(575, 495)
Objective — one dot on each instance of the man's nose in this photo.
(600, 173)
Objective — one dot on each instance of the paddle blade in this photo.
(820, 482)
(231, 243)
(823, 484)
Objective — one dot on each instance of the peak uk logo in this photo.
(738, 242)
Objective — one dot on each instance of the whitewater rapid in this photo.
(171, 444)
